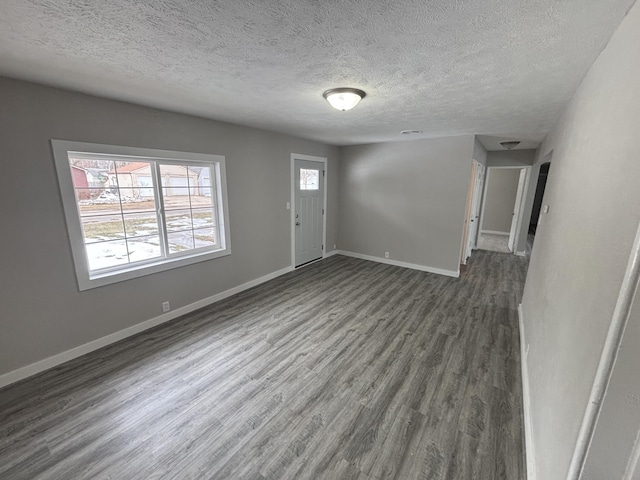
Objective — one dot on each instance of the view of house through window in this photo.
(119, 211)
(137, 210)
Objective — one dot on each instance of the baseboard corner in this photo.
(397, 263)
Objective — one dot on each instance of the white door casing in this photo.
(308, 208)
(521, 195)
(475, 208)
(516, 209)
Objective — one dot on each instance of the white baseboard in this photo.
(331, 253)
(495, 232)
(526, 401)
(414, 266)
(42, 365)
(521, 254)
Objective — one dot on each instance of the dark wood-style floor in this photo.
(345, 369)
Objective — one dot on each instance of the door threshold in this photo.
(309, 262)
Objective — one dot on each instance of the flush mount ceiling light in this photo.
(509, 145)
(343, 98)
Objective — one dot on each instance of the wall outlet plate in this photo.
(386, 254)
(166, 306)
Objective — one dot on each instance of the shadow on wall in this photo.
(537, 201)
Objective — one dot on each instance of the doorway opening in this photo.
(472, 214)
(537, 201)
(502, 209)
(308, 207)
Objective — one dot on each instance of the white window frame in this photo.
(87, 279)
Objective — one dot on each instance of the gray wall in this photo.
(407, 198)
(619, 422)
(479, 152)
(42, 312)
(500, 199)
(582, 245)
(511, 158)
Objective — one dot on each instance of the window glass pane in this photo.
(144, 248)
(205, 237)
(105, 202)
(309, 179)
(114, 189)
(201, 181)
(134, 179)
(140, 224)
(89, 173)
(107, 254)
(87, 196)
(177, 220)
(176, 198)
(180, 241)
(98, 228)
(202, 217)
(176, 176)
(133, 202)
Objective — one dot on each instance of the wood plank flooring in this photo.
(345, 369)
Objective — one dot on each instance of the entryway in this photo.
(472, 216)
(537, 200)
(502, 209)
(308, 211)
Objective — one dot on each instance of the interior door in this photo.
(475, 207)
(516, 210)
(309, 210)
(473, 210)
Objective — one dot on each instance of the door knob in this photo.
(297, 223)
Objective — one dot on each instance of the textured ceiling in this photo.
(492, 143)
(446, 67)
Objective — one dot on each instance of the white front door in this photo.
(308, 210)
(516, 210)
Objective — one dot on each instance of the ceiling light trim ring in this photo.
(344, 98)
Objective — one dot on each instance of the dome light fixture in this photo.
(343, 98)
(509, 145)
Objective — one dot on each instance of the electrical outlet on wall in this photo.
(386, 254)
(166, 306)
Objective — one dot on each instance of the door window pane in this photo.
(309, 179)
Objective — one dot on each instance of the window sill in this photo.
(102, 279)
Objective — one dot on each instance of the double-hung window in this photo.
(134, 211)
